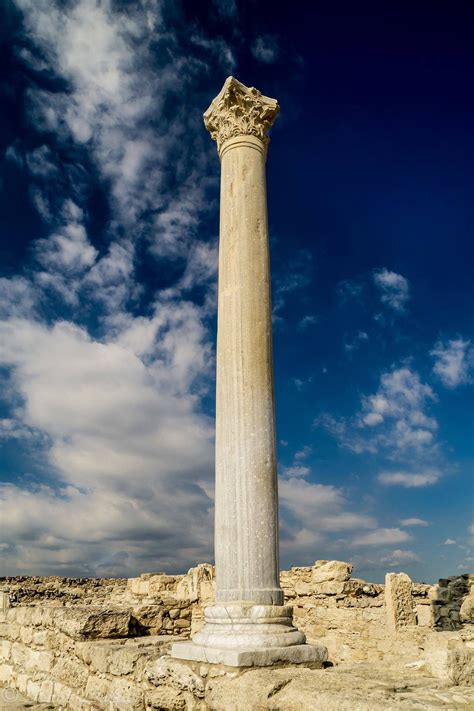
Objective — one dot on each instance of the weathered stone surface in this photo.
(466, 611)
(360, 688)
(325, 571)
(126, 695)
(399, 601)
(252, 657)
(82, 673)
(93, 624)
(170, 671)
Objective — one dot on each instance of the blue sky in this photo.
(108, 247)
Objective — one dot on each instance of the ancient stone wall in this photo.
(84, 644)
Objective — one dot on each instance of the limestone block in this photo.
(143, 587)
(197, 585)
(332, 570)
(37, 616)
(33, 689)
(79, 703)
(95, 623)
(6, 671)
(71, 672)
(23, 615)
(97, 688)
(61, 694)
(37, 660)
(40, 638)
(11, 630)
(21, 682)
(170, 671)
(46, 692)
(182, 624)
(466, 613)
(26, 635)
(99, 657)
(124, 661)
(19, 654)
(126, 695)
(399, 601)
(303, 588)
(5, 649)
(4, 600)
(330, 587)
(424, 615)
(133, 585)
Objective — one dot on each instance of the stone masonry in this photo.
(104, 644)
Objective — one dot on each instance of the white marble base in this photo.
(245, 635)
(316, 655)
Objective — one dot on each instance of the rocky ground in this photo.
(360, 687)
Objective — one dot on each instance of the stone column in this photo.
(248, 625)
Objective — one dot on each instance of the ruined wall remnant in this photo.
(399, 604)
(96, 644)
(447, 598)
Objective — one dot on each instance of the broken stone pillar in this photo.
(399, 601)
(248, 625)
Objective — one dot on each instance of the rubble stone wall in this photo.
(87, 644)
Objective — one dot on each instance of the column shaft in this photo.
(246, 535)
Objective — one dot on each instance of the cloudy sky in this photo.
(109, 225)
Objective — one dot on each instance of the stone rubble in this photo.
(92, 644)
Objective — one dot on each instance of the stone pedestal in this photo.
(249, 624)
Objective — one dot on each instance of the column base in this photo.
(243, 635)
(315, 655)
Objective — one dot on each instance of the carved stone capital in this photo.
(240, 111)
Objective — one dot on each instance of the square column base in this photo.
(315, 655)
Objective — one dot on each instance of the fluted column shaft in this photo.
(248, 625)
(246, 533)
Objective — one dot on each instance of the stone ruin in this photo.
(250, 638)
(80, 644)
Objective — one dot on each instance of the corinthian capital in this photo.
(240, 111)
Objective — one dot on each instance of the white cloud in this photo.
(115, 417)
(265, 49)
(400, 402)
(17, 297)
(409, 480)
(310, 511)
(126, 442)
(304, 452)
(296, 471)
(355, 343)
(450, 542)
(307, 321)
(114, 107)
(394, 289)
(471, 529)
(453, 361)
(398, 556)
(394, 419)
(382, 537)
(414, 522)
